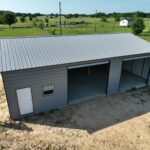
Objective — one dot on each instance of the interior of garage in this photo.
(87, 82)
(134, 74)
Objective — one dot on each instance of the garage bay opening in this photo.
(135, 74)
(87, 82)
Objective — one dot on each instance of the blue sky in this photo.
(75, 6)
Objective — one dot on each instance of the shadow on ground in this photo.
(13, 125)
(98, 113)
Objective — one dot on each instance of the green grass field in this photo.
(111, 26)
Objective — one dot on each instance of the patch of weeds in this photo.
(41, 114)
(16, 125)
(53, 111)
(3, 128)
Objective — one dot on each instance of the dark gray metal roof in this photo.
(32, 52)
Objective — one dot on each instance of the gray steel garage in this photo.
(43, 73)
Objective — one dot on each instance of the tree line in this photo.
(8, 17)
(76, 15)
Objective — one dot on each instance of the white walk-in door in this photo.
(25, 101)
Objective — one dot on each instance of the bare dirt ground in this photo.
(109, 123)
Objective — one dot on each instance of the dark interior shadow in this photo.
(98, 113)
(84, 82)
(14, 125)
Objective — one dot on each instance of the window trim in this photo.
(48, 94)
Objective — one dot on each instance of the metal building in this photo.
(41, 73)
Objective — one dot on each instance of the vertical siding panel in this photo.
(35, 78)
(138, 66)
(148, 81)
(146, 68)
(114, 76)
(127, 65)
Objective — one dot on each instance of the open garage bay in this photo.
(87, 82)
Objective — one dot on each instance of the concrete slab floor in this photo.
(129, 81)
(87, 83)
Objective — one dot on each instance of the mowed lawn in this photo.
(111, 26)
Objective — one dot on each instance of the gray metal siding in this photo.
(114, 76)
(127, 65)
(146, 68)
(35, 78)
(57, 75)
(137, 66)
(148, 81)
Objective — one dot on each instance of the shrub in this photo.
(22, 18)
(138, 26)
(117, 18)
(53, 32)
(41, 25)
(104, 19)
(30, 18)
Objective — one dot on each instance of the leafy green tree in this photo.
(23, 18)
(41, 25)
(76, 15)
(51, 15)
(117, 18)
(2, 20)
(140, 14)
(56, 15)
(10, 18)
(69, 16)
(46, 21)
(30, 18)
(104, 19)
(53, 32)
(138, 26)
(34, 23)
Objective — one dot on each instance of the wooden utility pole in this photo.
(96, 21)
(60, 4)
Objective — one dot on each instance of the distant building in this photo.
(125, 22)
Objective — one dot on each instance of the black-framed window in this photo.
(48, 89)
